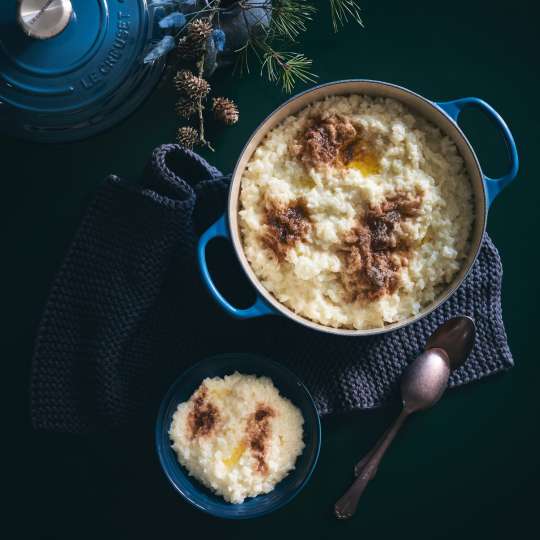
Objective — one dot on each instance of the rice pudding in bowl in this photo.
(237, 435)
(355, 212)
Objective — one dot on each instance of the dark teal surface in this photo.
(466, 469)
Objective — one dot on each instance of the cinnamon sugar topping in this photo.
(204, 415)
(285, 225)
(375, 250)
(258, 433)
(321, 142)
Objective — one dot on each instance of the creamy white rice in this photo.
(412, 156)
(237, 435)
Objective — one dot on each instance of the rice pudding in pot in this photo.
(355, 212)
(237, 435)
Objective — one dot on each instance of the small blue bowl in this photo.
(289, 386)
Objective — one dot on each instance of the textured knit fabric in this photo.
(128, 312)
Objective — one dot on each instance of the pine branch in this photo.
(286, 68)
(289, 19)
(200, 67)
(200, 107)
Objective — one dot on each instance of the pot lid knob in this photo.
(43, 19)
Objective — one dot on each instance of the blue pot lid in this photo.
(71, 68)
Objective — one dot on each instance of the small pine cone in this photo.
(199, 30)
(187, 50)
(193, 45)
(225, 110)
(187, 137)
(191, 85)
(181, 79)
(185, 107)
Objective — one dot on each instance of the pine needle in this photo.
(342, 10)
(241, 63)
(289, 18)
(287, 68)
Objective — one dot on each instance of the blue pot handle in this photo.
(493, 185)
(221, 229)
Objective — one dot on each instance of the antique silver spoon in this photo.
(422, 384)
(456, 338)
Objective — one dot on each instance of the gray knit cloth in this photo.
(128, 312)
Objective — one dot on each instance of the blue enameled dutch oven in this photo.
(445, 115)
(72, 68)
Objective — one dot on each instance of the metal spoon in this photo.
(456, 338)
(422, 385)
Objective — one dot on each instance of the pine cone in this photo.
(191, 85)
(225, 110)
(198, 30)
(186, 50)
(185, 107)
(187, 137)
(193, 45)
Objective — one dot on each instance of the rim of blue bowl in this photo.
(160, 421)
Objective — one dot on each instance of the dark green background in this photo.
(466, 469)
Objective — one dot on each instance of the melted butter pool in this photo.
(358, 155)
(235, 456)
(367, 165)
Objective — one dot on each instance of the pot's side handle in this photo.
(493, 185)
(221, 229)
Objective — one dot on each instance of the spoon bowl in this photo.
(456, 338)
(425, 380)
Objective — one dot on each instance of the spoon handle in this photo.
(359, 467)
(346, 506)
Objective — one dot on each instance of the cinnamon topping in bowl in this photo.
(203, 416)
(286, 224)
(376, 249)
(258, 433)
(321, 142)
